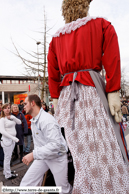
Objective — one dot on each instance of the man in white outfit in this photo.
(50, 149)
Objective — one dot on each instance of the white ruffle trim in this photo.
(73, 25)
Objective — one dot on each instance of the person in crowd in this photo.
(52, 108)
(8, 131)
(124, 100)
(44, 106)
(1, 155)
(42, 101)
(21, 130)
(77, 51)
(26, 149)
(21, 105)
(124, 110)
(50, 149)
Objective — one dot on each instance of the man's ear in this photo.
(33, 103)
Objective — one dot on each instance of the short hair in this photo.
(21, 101)
(3, 107)
(13, 106)
(36, 99)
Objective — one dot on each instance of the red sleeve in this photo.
(28, 117)
(111, 58)
(54, 75)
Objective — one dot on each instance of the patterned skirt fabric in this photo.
(99, 165)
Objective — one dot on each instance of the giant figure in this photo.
(76, 55)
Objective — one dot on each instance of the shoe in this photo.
(13, 172)
(13, 176)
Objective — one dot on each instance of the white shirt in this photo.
(48, 140)
(7, 127)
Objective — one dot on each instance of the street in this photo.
(21, 169)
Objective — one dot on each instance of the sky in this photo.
(22, 22)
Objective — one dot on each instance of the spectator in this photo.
(21, 105)
(124, 111)
(1, 155)
(44, 106)
(8, 131)
(21, 130)
(26, 149)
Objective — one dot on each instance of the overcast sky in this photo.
(22, 20)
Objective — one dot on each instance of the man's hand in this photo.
(28, 158)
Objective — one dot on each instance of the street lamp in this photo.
(38, 69)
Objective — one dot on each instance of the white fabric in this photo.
(115, 105)
(98, 162)
(58, 167)
(47, 137)
(7, 128)
(7, 158)
(68, 28)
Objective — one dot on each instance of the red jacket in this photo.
(86, 43)
(28, 117)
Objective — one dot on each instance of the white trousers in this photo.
(8, 150)
(59, 169)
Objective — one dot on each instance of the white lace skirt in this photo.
(99, 165)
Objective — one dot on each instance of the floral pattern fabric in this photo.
(99, 165)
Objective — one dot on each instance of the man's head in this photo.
(32, 105)
(21, 102)
(44, 105)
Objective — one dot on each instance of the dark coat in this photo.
(1, 156)
(20, 106)
(20, 129)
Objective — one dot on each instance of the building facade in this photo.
(13, 85)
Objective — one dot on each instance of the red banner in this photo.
(19, 97)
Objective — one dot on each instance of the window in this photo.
(15, 82)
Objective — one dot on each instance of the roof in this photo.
(4, 77)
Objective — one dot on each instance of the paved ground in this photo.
(21, 169)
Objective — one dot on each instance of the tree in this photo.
(38, 64)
